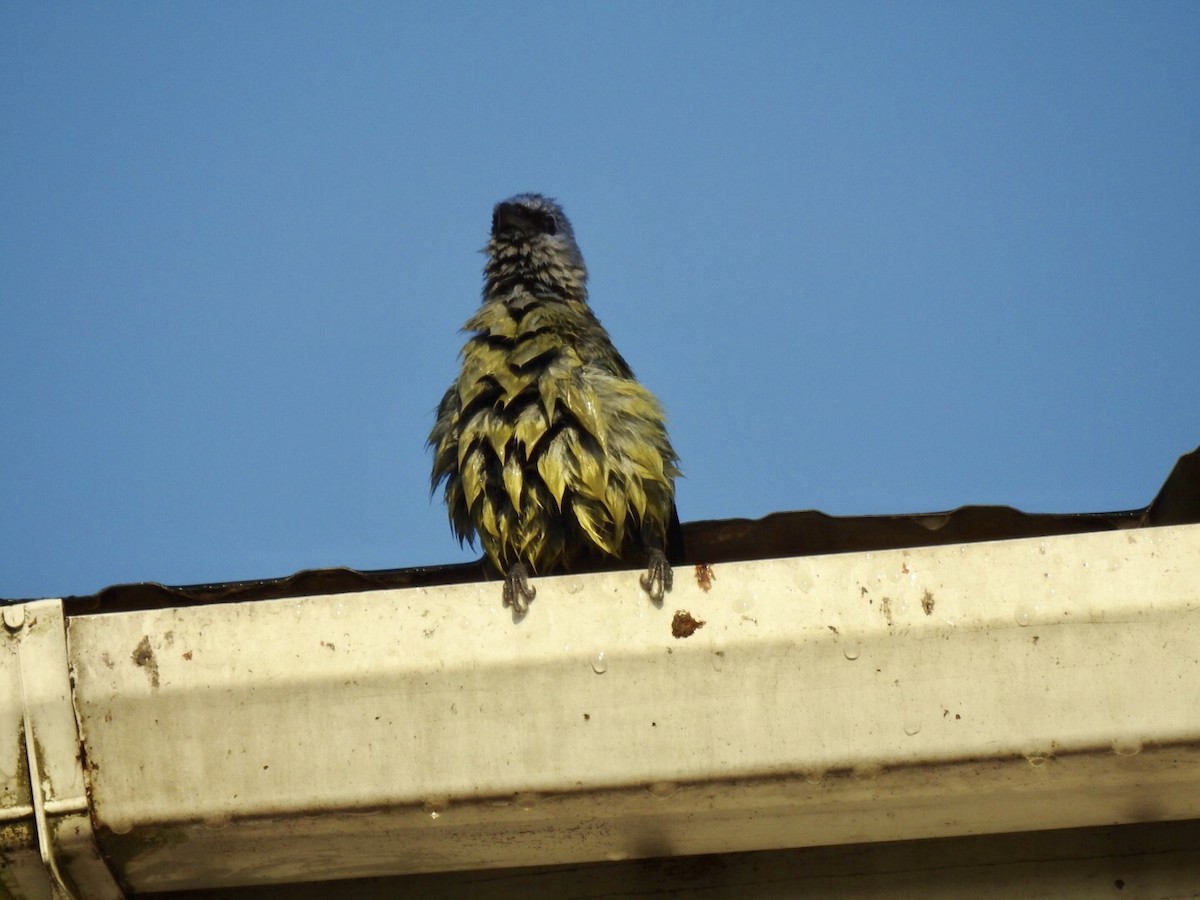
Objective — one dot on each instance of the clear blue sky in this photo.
(874, 258)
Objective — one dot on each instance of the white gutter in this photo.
(982, 688)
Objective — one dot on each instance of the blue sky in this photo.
(873, 258)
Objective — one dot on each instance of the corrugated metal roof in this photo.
(784, 534)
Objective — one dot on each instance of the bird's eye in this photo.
(550, 224)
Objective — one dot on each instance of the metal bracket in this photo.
(47, 844)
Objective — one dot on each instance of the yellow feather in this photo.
(489, 527)
(585, 515)
(513, 481)
(548, 394)
(552, 467)
(616, 504)
(584, 405)
(534, 347)
(636, 497)
(497, 433)
(472, 477)
(530, 427)
(592, 475)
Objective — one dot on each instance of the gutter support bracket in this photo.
(45, 745)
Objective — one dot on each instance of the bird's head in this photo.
(533, 243)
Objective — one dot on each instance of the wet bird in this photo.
(552, 453)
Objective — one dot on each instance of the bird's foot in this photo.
(658, 578)
(518, 592)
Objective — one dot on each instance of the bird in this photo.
(552, 453)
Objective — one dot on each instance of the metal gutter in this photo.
(977, 688)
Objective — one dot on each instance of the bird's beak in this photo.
(510, 216)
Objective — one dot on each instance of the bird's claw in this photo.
(658, 578)
(518, 592)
